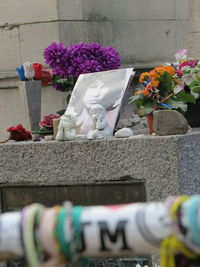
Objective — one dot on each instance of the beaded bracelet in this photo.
(68, 230)
(28, 235)
(59, 233)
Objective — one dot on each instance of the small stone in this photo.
(49, 137)
(36, 137)
(169, 122)
(124, 132)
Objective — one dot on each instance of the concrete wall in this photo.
(146, 32)
(194, 29)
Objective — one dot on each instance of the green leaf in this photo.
(185, 97)
(62, 81)
(176, 104)
(196, 89)
(195, 86)
(135, 97)
(145, 110)
(166, 84)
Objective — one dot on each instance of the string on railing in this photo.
(67, 235)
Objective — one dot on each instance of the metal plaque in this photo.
(15, 198)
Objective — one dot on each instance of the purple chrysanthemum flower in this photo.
(80, 58)
(56, 57)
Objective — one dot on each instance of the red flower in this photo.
(48, 120)
(18, 133)
(37, 69)
(45, 76)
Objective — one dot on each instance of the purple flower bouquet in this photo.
(69, 62)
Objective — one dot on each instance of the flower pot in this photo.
(149, 119)
(193, 114)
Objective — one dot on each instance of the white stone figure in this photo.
(29, 72)
(66, 128)
(100, 128)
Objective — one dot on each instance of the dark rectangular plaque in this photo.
(15, 198)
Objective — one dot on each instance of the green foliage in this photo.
(176, 104)
(166, 84)
(185, 97)
(145, 110)
(195, 87)
(135, 97)
(44, 131)
(66, 84)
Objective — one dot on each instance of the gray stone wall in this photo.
(146, 33)
(168, 165)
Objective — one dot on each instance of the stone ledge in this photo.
(159, 161)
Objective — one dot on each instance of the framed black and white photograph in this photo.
(105, 88)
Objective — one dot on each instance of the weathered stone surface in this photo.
(182, 9)
(128, 9)
(169, 165)
(19, 12)
(134, 46)
(9, 49)
(124, 132)
(194, 33)
(169, 122)
(35, 37)
(52, 101)
(70, 9)
(11, 110)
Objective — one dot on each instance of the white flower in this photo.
(186, 69)
(181, 55)
(187, 79)
(178, 88)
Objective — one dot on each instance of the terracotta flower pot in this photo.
(149, 119)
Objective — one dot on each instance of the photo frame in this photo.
(106, 88)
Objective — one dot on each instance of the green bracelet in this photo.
(59, 234)
(76, 215)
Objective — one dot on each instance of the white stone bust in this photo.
(100, 128)
(66, 128)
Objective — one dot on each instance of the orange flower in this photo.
(138, 92)
(144, 76)
(162, 69)
(170, 70)
(153, 75)
(147, 89)
(155, 83)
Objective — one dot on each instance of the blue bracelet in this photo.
(192, 218)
